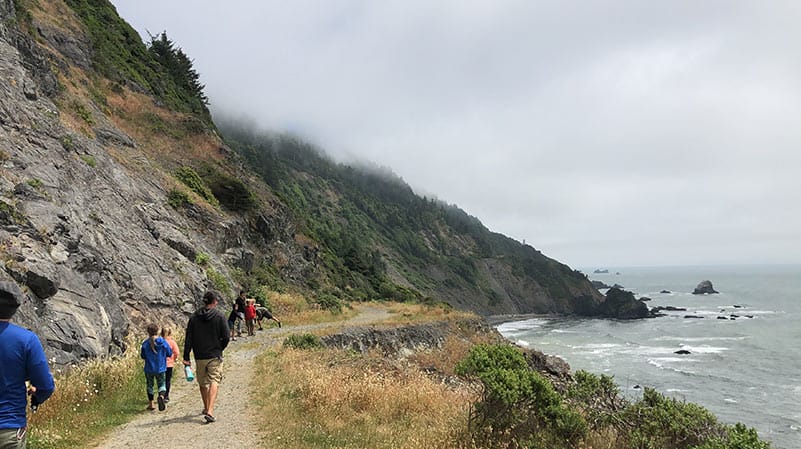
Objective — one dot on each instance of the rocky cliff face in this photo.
(92, 238)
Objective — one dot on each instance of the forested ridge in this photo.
(367, 218)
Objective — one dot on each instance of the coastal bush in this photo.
(518, 406)
(191, 179)
(229, 191)
(657, 421)
(303, 341)
(219, 281)
(737, 437)
(178, 199)
(597, 397)
(328, 301)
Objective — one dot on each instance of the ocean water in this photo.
(744, 370)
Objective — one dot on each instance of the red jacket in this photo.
(250, 312)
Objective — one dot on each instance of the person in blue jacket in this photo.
(155, 351)
(21, 359)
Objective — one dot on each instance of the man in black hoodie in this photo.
(207, 334)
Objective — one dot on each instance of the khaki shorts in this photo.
(12, 438)
(209, 371)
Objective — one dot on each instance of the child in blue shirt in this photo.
(155, 351)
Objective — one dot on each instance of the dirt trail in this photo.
(182, 425)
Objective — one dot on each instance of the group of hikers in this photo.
(245, 309)
(207, 334)
(25, 374)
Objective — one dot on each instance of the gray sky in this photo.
(604, 133)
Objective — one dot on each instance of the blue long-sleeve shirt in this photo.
(21, 358)
(156, 361)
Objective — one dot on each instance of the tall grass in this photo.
(89, 400)
(334, 399)
(292, 308)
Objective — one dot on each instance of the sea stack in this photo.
(704, 287)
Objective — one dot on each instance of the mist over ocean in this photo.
(744, 370)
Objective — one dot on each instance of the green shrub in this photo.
(219, 281)
(737, 437)
(191, 179)
(90, 161)
(67, 142)
(232, 193)
(596, 396)
(178, 199)
(83, 113)
(328, 301)
(303, 341)
(36, 183)
(657, 421)
(518, 406)
(202, 258)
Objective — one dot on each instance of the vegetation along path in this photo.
(182, 424)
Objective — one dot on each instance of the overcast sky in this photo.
(604, 133)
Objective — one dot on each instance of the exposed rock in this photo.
(617, 303)
(402, 341)
(645, 298)
(112, 136)
(599, 285)
(704, 287)
(622, 305)
(682, 352)
(550, 364)
(665, 291)
(668, 308)
(692, 316)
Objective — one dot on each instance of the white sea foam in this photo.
(517, 326)
(699, 339)
(662, 366)
(730, 400)
(758, 312)
(676, 390)
(674, 359)
(704, 349)
(522, 343)
(649, 350)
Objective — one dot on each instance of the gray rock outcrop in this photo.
(95, 245)
(703, 288)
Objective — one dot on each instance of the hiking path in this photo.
(182, 425)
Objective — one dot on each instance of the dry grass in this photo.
(406, 313)
(89, 400)
(332, 399)
(292, 308)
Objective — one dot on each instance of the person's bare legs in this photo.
(211, 396)
(204, 394)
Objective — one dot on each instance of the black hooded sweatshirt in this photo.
(207, 334)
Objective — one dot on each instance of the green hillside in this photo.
(379, 239)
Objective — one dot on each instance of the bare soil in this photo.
(237, 426)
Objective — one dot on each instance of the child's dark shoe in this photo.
(162, 404)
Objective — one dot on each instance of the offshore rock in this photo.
(703, 288)
(619, 304)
